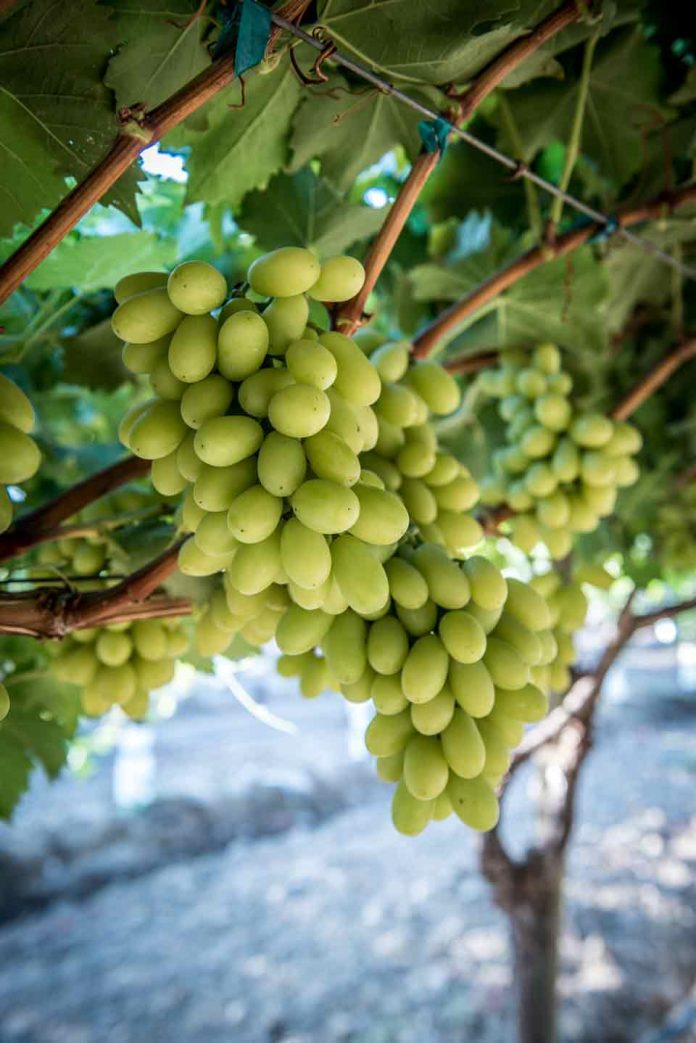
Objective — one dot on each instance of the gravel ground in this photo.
(349, 933)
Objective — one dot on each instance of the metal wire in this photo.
(520, 170)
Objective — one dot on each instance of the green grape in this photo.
(527, 605)
(391, 360)
(281, 464)
(382, 517)
(472, 687)
(356, 379)
(216, 488)
(304, 555)
(537, 442)
(343, 421)
(116, 683)
(157, 431)
(388, 734)
(244, 606)
(311, 363)
(458, 495)
(254, 515)
(583, 517)
(565, 462)
(242, 343)
(518, 498)
(341, 279)
(505, 665)
(314, 677)
(407, 585)
(137, 707)
(360, 576)
(330, 458)
(553, 511)
(487, 584)
(425, 669)
(138, 282)
(94, 704)
(442, 808)
(165, 384)
(390, 769)
(166, 476)
(213, 535)
(368, 426)
(345, 647)
(88, 558)
(448, 585)
(193, 348)
(547, 358)
(530, 382)
(359, 691)
(113, 649)
(20, 456)
(220, 612)
(409, 815)
(195, 287)
(526, 704)
(300, 630)
(142, 358)
(525, 642)
(334, 601)
(146, 317)
(436, 387)
(85, 635)
(177, 643)
(284, 273)
(299, 411)
(571, 605)
(236, 304)
(210, 639)
(256, 392)
(325, 506)
(460, 532)
(591, 430)
(474, 802)
(418, 621)
(255, 565)
(462, 636)
(432, 717)
(151, 674)
(553, 411)
(385, 469)
(595, 575)
(15, 408)
(387, 694)
(626, 440)
(566, 649)
(127, 422)
(507, 729)
(444, 470)
(425, 767)
(191, 513)
(418, 500)
(78, 665)
(397, 404)
(415, 460)
(463, 746)
(387, 645)
(208, 398)
(193, 562)
(597, 469)
(286, 320)
(627, 471)
(390, 439)
(226, 440)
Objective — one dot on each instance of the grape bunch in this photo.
(76, 557)
(675, 529)
(567, 607)
(561, 468)
(120, 664)
(19, 454)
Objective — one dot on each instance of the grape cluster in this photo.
(567, 607)
(120, 664)
(675, 529)
(562, 467)
(76, 557)
(19, 454)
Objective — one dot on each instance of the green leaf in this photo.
(349, 131)
(95, 262)
(241, 149)
(434, 42)
(27, 182)
(304, 210)
(623, 83)
(93, 358)
(52, 57)
(162, 49)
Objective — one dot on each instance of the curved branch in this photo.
(48, 613)
(138, 132)
(471, 363)
(653, 380)
(38, 526)
(350, 315)
(450, 319)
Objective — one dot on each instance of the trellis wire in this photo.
(515, 167)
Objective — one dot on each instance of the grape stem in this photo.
(569, 728)
(137, 131)
(49, 613)
(350, 315)
(445, 325)
(40, 525)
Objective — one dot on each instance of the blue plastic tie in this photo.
(434, 135)
(253, 35)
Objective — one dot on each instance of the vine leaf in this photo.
(350, 131)
(241, 148)
(623, 88)
(93, 358)
(162, 49)
(305, 210)
(51, 61)
(93, 262)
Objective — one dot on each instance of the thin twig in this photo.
(472, 363)
(653, 380)
(452, 318)
(38, 526)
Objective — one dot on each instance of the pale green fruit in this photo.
(299, 411)
(157, 431)
(146, 317)
(286, 319)
(311, 363)
(195, 287)
(20, 456)
(193, 347)
(207, 398)
(225, 440)
(242, 345)
(141, 358)
(15, 407)
(138, 282)
(286, 272)
(341, 278)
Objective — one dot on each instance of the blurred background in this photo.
(228, 871)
